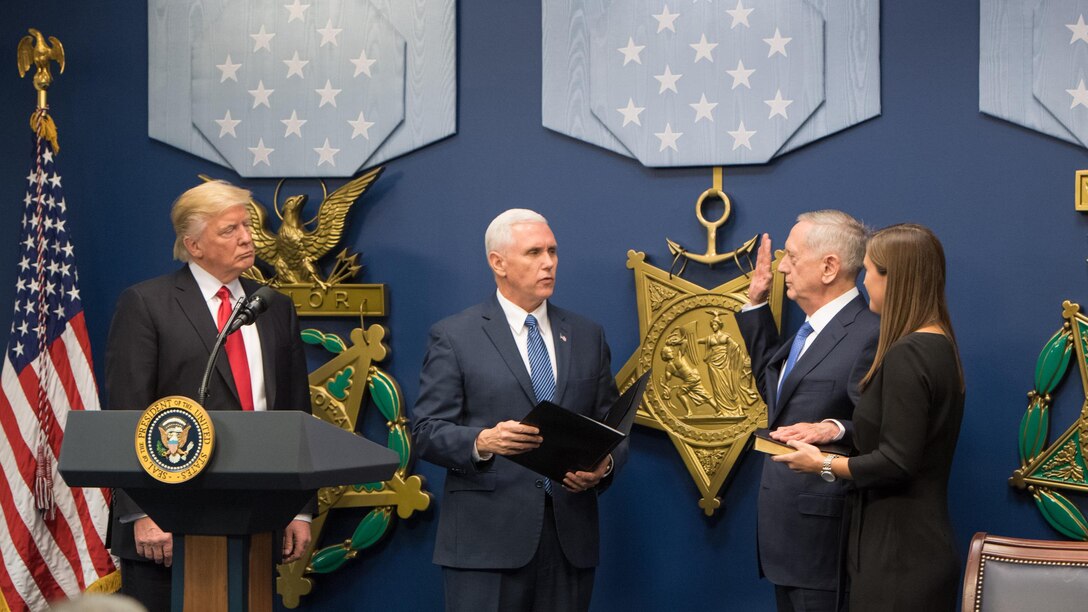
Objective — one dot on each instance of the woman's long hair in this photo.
(912, 259)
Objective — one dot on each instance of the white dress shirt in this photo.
(209, 286)
(515, 316)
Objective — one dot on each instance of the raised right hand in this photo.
(508, 438)
(152, 542)
(760, 287)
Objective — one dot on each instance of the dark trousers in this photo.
(147, 583)
(548, 583)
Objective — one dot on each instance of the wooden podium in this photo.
(265, 467)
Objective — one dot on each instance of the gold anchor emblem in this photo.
(711, 256)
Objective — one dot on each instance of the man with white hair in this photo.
(159, 342)
(508, 538)
(810, 384)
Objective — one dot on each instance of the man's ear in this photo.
(194, 249)
(829, 268)
(497, 263)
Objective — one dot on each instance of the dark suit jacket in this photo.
(159, 343)
(474, 377)
(800, 516)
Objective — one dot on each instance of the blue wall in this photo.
(1001, 198)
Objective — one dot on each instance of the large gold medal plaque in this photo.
(701, 391)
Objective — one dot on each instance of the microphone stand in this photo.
(202, 393)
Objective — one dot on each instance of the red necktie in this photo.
(236, 352)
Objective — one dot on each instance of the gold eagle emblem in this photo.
(293, 251)
(33, 51)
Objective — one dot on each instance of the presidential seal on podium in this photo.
(174, 439)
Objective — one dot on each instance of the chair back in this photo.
(1014, 575)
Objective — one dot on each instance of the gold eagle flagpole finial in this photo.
(34, 52)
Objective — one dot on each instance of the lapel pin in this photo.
(563, 337)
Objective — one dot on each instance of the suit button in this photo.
(539, 484)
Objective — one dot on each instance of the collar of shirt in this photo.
(209, 286)
(823, 316)
(515, 318)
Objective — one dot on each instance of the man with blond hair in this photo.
(162, 334)
(810, 384)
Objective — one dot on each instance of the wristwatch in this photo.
(826, 472)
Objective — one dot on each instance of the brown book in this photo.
(764, 443)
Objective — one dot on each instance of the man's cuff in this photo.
(131, 518)
(477, 456)
(748, 307)
(611, 464)
(842, 430)
(305, 516)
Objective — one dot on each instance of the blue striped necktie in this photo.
(795, 353)
(540, 371)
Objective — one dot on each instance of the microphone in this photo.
(248, 312)
(244, 314)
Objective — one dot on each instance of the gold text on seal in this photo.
(174, 439)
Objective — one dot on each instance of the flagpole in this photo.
(34, 52)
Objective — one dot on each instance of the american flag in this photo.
(52, 537)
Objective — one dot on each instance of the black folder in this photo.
(574, 442)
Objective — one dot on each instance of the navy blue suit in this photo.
(473, 377)
(799, 523)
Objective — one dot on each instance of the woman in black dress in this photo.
(901, 553)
